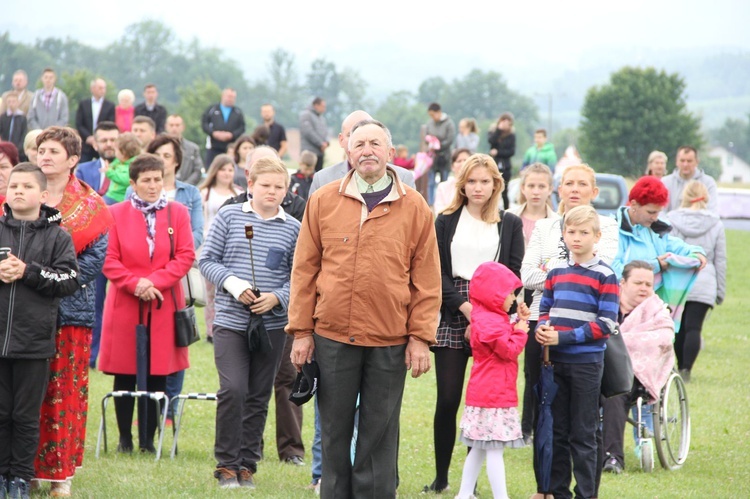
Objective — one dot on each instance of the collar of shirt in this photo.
(594, 261)
(247, 207)
(381, 184)
(97, 101)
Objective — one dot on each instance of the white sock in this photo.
(496, 473)
(472, 467)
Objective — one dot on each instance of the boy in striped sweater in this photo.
(577, 313)
(245, 376)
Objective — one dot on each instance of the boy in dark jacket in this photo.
(37, 268)
(302, 180)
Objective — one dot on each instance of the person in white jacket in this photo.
(696, 224)
(546, 249)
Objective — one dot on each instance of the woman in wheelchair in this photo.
(648, 331)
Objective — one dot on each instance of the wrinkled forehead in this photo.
(368, 133)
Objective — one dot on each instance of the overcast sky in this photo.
(405, 41)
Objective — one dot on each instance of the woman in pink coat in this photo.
(140, 268)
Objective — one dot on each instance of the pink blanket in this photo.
(648, 333)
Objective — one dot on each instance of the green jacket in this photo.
(544, 155)
(119, 175)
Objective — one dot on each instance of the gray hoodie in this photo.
(704, 228)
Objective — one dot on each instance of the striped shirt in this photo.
(226, 252)
(581, 301)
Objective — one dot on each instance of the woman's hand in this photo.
(663, 261)
(142, 286)
(152, 294)
(465, 309)
(264, 303)
(467, 333)
(703, 260)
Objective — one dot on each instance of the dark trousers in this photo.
(288, 415)
(450, 371)
(688, 341)
(532, 368)
(124, 408)
(96, 333)
(23, 383)
(614, 417)
(506, 173)
(321, 156)
(245, 386)
(378, 375)
(575, 415)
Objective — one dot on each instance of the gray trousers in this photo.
(245, 386)
(377, 375)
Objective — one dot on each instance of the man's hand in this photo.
(264, 303)
(91, 141)
(11, 269)
(247, 297)
(547, 335)
(302, 351)
(417, 357)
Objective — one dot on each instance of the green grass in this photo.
(718, 464)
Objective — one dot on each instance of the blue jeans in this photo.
(174, 388)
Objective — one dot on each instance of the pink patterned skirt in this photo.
(491, 428)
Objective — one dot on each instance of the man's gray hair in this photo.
(362, 123)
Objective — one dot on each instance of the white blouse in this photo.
(474, 243)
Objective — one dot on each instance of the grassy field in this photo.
(718, 464)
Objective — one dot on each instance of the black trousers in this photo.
(532, 367)
(245, 386)
(124, 408)
(377, 375)
(288, 415)
(23, 384)
(688, 341)
(575, 415)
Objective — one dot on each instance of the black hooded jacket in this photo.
(28, 306)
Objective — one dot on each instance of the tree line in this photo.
(637, 111)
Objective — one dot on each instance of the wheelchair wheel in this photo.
(672, 424)
(647, 455)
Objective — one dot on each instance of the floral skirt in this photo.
(491, 428)
(62, 432)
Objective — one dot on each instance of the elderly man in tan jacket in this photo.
(365, 296)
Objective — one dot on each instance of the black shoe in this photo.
(612, 465)
(295, 460)
(434, 487)
(125, 446)
(148, 448)
(19, 489)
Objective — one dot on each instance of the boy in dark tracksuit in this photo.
(37, 267)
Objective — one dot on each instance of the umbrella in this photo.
(545, 390)
(257, 336)
(142, 367)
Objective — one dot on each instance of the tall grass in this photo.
(718, 464)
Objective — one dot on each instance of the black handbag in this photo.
(618, 370)
(185, 325)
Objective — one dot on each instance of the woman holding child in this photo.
(470, 231)
(86, 218)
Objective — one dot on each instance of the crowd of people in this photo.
(348, 268)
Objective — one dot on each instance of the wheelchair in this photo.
(671, 418)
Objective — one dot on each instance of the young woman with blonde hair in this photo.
(472, 230)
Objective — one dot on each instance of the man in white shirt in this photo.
(90, 112)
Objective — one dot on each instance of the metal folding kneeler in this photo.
(155, 396)
(180, 407)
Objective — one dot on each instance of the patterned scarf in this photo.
(84, 214)
(149, 212)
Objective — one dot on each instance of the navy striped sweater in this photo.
(226, 252)
(581, 301)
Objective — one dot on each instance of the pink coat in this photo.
(648, 332)
(127, 261)
(495, 343)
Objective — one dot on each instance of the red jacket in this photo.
(127, 261)
(495, 344)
